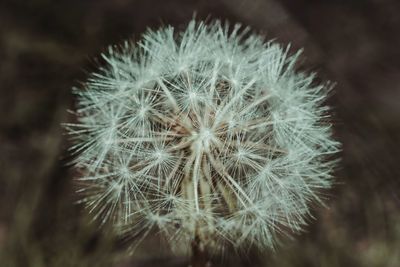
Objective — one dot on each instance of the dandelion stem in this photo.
(199, 254)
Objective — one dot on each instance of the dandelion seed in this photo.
(211, 135)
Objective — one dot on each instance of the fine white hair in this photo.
(209, 133)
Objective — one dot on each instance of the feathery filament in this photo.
(209, 133)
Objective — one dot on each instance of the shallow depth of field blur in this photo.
(47, 47)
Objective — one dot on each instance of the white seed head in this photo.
(206, 134)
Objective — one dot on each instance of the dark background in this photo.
(46, 47)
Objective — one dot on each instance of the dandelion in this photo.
(209, 135)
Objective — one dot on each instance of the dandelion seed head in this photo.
(208, 134)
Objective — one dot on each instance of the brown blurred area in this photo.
(46, 47)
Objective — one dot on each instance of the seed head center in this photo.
(204, 136)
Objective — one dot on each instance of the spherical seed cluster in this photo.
(206, 134)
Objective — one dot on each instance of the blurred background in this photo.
(47, 47)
